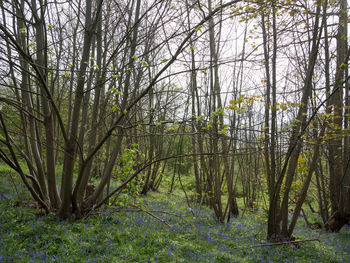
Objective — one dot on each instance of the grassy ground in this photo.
(178, 234)
(125, 236)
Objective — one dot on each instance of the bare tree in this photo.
(103, 72)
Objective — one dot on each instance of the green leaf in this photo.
(115, 108)
(223, 132)
(198, 28)
(144, 63)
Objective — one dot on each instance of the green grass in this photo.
(120, 236)
(115, 235)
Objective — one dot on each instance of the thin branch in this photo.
(287, 242)
(153, 215)
(43, 83)
(155, 80)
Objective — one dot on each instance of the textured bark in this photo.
(339, 175)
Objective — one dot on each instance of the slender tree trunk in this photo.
(339, 177)
(71, 146)
(294, 145)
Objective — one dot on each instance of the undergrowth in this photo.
(170, 232)
(157, 228)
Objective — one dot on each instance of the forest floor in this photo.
(157, 228)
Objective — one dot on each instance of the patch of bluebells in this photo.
(137, 237)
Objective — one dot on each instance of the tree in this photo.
(278, 211)
(37, 82)
(338, 154)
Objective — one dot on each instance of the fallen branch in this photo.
(287, 242)
(135, 209)
(153, 215)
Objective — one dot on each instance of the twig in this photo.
(287, 242)
(151, 211)
(4, 197)
(90, 211)
(153, 215)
